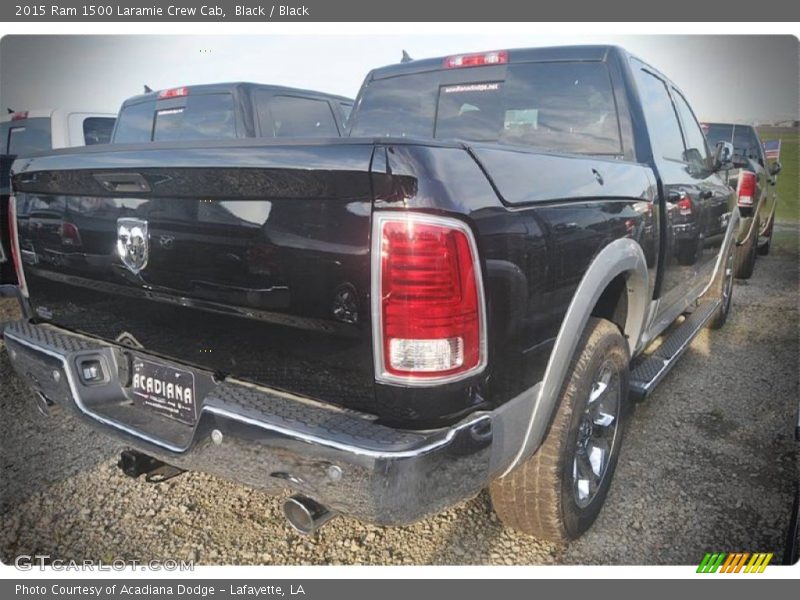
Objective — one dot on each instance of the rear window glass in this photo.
(716, 133)
(210, 116)
(28, 136)
(659, 112)
(565, 107)
(745, 141)
(292, 116)
(97, 130)
(204, 116)
(135, 123)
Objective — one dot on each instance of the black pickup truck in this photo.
(462, 294)
(230, 110)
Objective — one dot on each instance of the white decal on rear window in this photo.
(472, 87)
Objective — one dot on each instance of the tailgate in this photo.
(248, 260)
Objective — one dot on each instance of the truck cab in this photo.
(229, 111)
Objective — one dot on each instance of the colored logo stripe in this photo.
(734, 562)
(758, 563)
(711, 562)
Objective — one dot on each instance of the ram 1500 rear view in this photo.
(462, 294)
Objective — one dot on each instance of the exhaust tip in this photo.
(305, 515)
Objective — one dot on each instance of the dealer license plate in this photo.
(165, 390)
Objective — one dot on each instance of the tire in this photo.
(688, 255)
(763, 249)
(745, 260)
(542, 496)
(723, 290)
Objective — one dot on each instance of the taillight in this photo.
(746, 189)
(173, 93)
(428, 306)
(14, 243)
(685, 205)
(20, 115)
(483, 59)
(70, 235)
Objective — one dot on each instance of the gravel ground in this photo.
(709, 463)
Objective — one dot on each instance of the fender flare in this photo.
(621, 257)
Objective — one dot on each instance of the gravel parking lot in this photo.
(709, 463)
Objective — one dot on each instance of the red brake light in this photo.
(70, 234)
(746, 189)
(429, 303)
(173, 93)
(14, 243)
(19, 115)
(499, 57)
(685, 205)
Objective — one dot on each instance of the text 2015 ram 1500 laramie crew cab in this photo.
(461, 294)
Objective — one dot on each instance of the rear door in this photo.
(714, 194)
(682, 222)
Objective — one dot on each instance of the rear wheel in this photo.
(745, 260)
(723, 290)
(558, 492)
(763, 248)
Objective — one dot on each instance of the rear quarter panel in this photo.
(540, 220)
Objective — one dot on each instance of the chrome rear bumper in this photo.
(276, 441)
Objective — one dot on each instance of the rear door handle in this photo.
(123, 182)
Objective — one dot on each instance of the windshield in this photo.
(566, 107)
(203, 116)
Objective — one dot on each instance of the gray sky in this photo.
(743, 78)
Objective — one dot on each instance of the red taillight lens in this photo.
(20, 115)
(746, 189)
(173, 93)
(685, 206)
(14, 243)
(430, 299)
(484, 59)
(70, 235)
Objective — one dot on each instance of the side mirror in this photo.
(723, 154)
(775, 168)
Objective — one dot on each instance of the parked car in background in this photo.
(27, 132)
(753, 178)
(230, 110)
(465, 293)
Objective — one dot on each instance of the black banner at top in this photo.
(407, 10)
